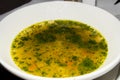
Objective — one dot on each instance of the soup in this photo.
(59, 48)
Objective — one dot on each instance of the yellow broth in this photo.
(59, 48)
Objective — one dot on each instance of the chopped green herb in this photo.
(104, 53)
(88, 63)
(44, 73)
(25, 68)
(45, 37)
(25, 38)
(48, 61)
(16, 58)
(74, 58)
(75, 39)
(20, 44)
(103, 45)
(92, 42)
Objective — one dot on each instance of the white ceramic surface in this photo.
(106, 23)
(118, 78)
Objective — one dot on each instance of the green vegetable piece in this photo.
(45, 37)
(44, 73)
(61, 64)
(75, 39)
(104, 53)
(103, 45)
(25, 68)
(25, 38)
(74, 58)
(88, 63)
(48, 62)
(16, 58)
(92, 42)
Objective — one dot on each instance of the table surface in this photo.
(6, 75)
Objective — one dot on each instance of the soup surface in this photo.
(59, 48)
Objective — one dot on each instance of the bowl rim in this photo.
(83, 77)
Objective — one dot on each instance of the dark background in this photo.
(6, 75)
(7, 5)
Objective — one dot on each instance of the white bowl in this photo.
(106, 23)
